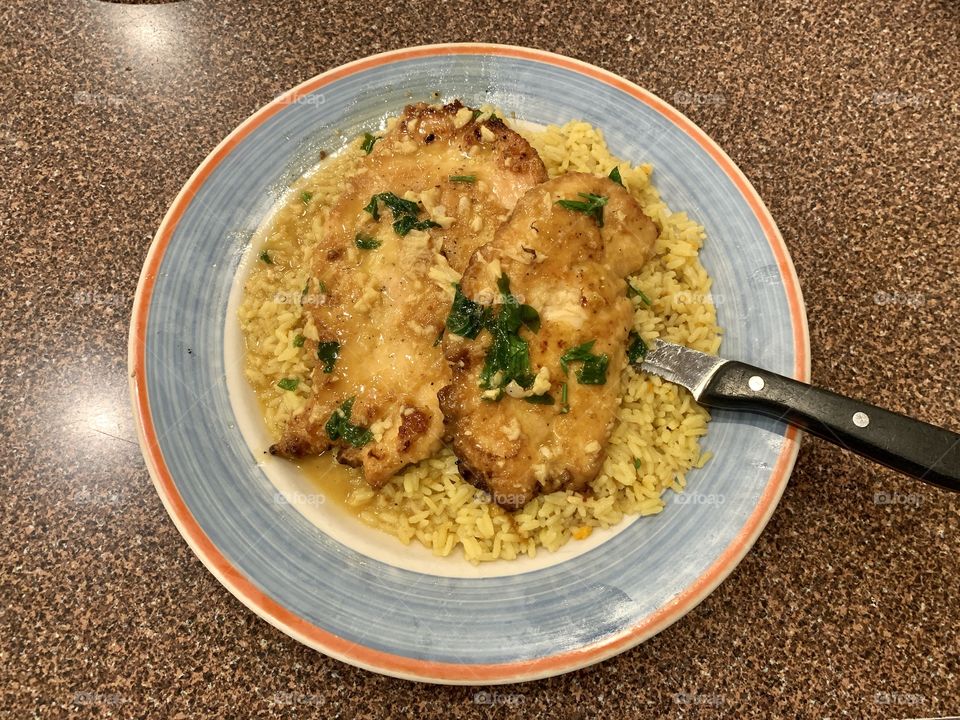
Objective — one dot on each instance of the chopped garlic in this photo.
(379, 428)
(366, 301)
(512, 430)
(463, 116)
(592, 447)
(486, 134)
(540, 385)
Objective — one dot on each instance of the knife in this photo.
(924, 451)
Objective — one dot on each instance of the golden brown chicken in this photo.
(430, 191)
(542, 321)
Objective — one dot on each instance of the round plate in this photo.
(355, 594)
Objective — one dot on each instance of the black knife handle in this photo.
(926, 452)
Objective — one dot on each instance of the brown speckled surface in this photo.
(846, 119)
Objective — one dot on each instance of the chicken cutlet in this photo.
(538, 337)
(430, 191)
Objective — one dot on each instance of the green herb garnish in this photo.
(404, 213)
(406, 223)
(592, 206)
(636, 349)
(463, 178)
(339, 426)
(466, 317)
(545, 399)
(398, 206)
(368, 141)
(298, 340)
(564, 404)
(288, 384)
(328, 351)
(508, 358)
(305, 197)
(593, 370)
(438, 338)
(373, 208)
(633, 292)
(477, 113)
(265, 257)
(615, 176)
(636, 463)
(366, 242)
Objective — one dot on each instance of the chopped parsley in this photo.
(438, 338)
(305, 197)
(592, 205)
(463, 178)
(298, 340)
(593, 370)
(368, 142)
(366, 242)
(477, 113)
(288, 384)
(265, 257)
(339, 426)
(615, 176)
(306, 289)
(328, 351)
(564, 403)
(466, 317)
(636, 463)
(398, 206)
(508, 358)
(545, 399)
(633, 292)
(636, 349)
(406, 223)
(404, 213)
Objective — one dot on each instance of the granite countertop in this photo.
(846, 117)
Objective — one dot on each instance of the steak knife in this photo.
(924, 451)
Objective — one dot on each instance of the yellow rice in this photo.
(654, 444)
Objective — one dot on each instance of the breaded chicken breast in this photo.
(428, 193)
(538, 339)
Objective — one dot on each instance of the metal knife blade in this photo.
(683, 366)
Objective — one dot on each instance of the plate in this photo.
(340, 587)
